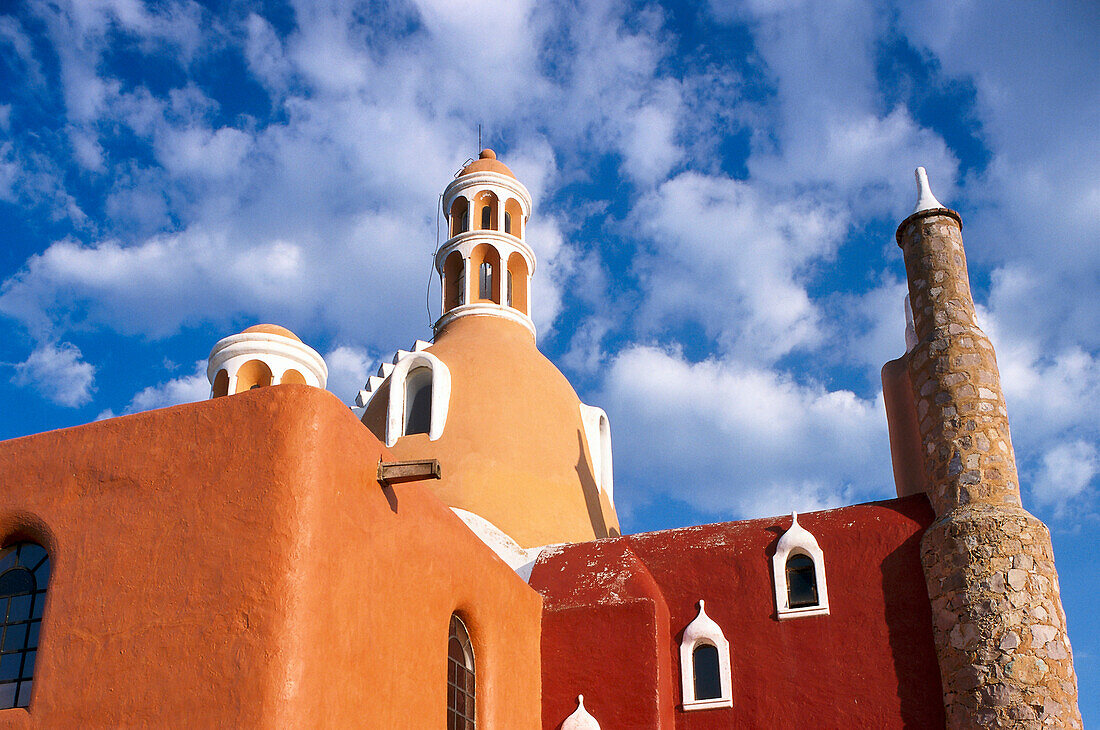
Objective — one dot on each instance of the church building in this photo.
(446, 553)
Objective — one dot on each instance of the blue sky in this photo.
(716, 190)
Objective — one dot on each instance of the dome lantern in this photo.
(485, 265)
(262, 355)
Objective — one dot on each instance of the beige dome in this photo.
(272, 329)
(514, 449)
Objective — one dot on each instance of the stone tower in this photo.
(999, 627)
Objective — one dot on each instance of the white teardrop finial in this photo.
(580, 719)
(925, 199)
(794, 518)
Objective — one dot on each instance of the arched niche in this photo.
(485, 265)
(485, 207)
(454, 282)
(253, 374)
(513, 218)
(221, 384)
(459, 217)
(294, 377)
(517, 278)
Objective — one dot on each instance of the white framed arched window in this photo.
(798, 569)
(705, 677)
(420, 391)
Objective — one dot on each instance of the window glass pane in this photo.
(15, 637)
(7, 695)
(24, 694)
(801, 582)
(7, 558)
(17, 580)
(418, 401)
(708, 680)
(9, 666)
(20, 608)
(30, 554)
(507, 222)
(486, 217)
(485, 281)
(28, 665)
(32, 640)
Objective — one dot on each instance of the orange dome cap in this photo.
(487, 162)
(272, 329)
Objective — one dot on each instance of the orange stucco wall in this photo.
(901, 419)
(234, 563)
(513, 450)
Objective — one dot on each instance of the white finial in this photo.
(580, 719)
(925, 200)
(794, 518)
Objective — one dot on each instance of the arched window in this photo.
(507, 222)
(798, 568)
(704, 664)
(801, 583)
(464, 221)
(460, 677)
(486, 218)
(508, 288)
(418, 401)
(705, 675)
(24, 573)
(485, 281)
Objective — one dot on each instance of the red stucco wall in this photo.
(870, 663)
(234, 563)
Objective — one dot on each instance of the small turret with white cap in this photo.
(1014, 668)
(262, 355)
(580, 719)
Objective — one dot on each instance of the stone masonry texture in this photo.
(998, 623)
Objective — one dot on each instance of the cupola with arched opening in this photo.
(261, 356)
(485, 265)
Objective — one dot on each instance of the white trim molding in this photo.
(580, 719)
(441, 395)
(704, 631)
(797, 540)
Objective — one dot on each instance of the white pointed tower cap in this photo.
(925, 199)
(702, 626)
(580, 719)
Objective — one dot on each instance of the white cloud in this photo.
(185, 389)
(1067, 471)
(734, 439)
(732, 258)
(348, 369)
(58, 373)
